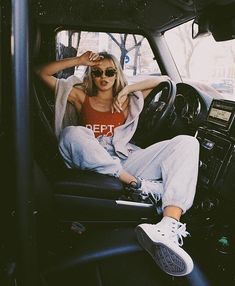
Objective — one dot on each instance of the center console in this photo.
(217, 141)
(214, 209)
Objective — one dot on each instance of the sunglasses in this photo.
(108, 72)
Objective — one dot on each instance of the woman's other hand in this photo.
(120, 100)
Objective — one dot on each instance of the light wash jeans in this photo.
(174, 161)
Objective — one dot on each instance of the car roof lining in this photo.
(146, 15)
(153, 16)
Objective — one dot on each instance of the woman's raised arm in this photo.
(46, 72)
(146, 85)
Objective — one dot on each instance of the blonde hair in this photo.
(120, 82)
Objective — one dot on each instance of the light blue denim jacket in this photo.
(66, 115)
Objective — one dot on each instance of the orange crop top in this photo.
(102, 123)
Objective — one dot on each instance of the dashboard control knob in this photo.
(208, 205)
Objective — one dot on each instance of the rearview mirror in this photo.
(219, 20)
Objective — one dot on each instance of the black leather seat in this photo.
(64, 180)
(79, 195)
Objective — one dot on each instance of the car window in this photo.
(133, 51)
(203, 60)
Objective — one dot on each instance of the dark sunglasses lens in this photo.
(97, 73)
(110, 73)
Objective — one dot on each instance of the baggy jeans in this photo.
(174, 162)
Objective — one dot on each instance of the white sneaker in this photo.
(147, 188)
(163, 242)
(151, 187)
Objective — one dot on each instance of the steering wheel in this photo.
(157, 106)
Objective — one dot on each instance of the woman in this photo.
(108, 111)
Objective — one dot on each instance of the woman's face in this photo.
(104, 75)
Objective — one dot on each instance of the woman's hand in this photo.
(120, 99)
(90, 58)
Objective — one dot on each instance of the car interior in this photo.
(66, 226)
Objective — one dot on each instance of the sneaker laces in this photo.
(178, 232)
(147, 189)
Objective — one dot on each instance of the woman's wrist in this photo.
(69, 62)
(130, 88)
(78, 61)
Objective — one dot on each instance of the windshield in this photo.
(203, 60)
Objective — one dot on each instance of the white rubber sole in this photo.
(167, 259)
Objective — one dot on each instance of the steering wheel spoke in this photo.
(158, 105)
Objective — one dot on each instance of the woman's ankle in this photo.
(127, 178)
